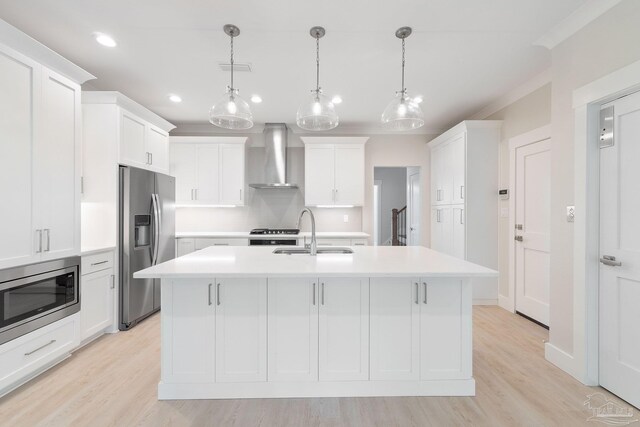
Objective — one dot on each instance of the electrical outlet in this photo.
(346, 218)
(571, 213)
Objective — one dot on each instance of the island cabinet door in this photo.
(188, 328)
(241, 330)
(293, 329)
(395, 329)
(344, 329)
(445, 329)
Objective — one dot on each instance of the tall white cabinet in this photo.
(40, 154)
(209, 171)
(334, 171)
(464, 198)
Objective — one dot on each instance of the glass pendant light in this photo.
(318, 113)
(231, 112)
(403, 113)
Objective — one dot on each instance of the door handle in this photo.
(209, 292)
(610, 261)
(417, 293)
(425, 292)
(218, 294)
(39, 238)
(48, 234)
(314, 293)
(156, 228)
(322, 293)
(518, 238)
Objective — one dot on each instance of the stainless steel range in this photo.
(32, 296)
(281, 236)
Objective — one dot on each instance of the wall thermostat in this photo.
(504, 194)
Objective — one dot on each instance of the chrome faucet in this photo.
(313, 246)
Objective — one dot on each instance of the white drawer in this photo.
(22, 357)
(96, 262)
(206, 242)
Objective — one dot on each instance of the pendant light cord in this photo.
(317, 64)
(231, 63)
(402, 88)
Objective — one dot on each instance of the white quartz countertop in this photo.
(92, 250)
(246, 235)
(366, 261)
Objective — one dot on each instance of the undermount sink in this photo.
(307, 251)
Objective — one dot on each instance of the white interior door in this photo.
(619, 237)
(413, 206)
(532, 216)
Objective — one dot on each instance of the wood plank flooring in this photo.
(112, 382)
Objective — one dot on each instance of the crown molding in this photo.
(15, 39)
(573, 23)
(514, 95)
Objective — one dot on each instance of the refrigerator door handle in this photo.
(156, 228)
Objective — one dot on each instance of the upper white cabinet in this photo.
(334, 171)
(464, 197)
(141, 136)
(40, 156)
(209, 170)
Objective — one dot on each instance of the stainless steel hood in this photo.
(275, 162)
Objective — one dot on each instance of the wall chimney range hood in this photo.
(275, 161)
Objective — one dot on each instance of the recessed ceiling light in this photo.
(105, 40)
(336, 99)
(417, 99)
(175, 98)
(256, 99)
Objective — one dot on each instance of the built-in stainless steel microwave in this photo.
(35, 295)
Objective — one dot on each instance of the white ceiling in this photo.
(462, 55)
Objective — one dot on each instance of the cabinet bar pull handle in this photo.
(241, 194)
(322, 293)
(425, 292)
(101, 262)
(461, 216)
(417, 293)
(39, 233)
(461, 190)
(48, 233)
(39, 348)
(314, 293)
(151, 158)
(209, 293)
(196, 193)
(113, 281)
(218, 294)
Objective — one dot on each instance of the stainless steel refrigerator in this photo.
(147, 238)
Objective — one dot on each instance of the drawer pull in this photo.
(40, 348)
(98, 263)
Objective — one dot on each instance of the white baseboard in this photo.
(506, 303)
(485, 301)
(561, 359)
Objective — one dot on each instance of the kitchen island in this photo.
(243, 322)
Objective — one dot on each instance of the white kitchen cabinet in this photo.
(464, 198)
(185, 246)
(133, 147)
(97, 290)
(344, 329)
(241, 330)
(40, 150)
(232, 174)
(190, 321)
(395, 329)
(209, 171)
(445, 330)
(293, 329)
(334, 171)
(158, 146)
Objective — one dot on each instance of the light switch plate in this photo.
(504, 212)
(571, 211)
(346, 218)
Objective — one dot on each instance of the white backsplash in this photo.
(273, 208)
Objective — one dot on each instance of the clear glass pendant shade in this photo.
(403, 113)
(231, 112)
(317, 114)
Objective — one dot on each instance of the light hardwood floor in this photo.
(112, 382)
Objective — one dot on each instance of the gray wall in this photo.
(393, 196)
